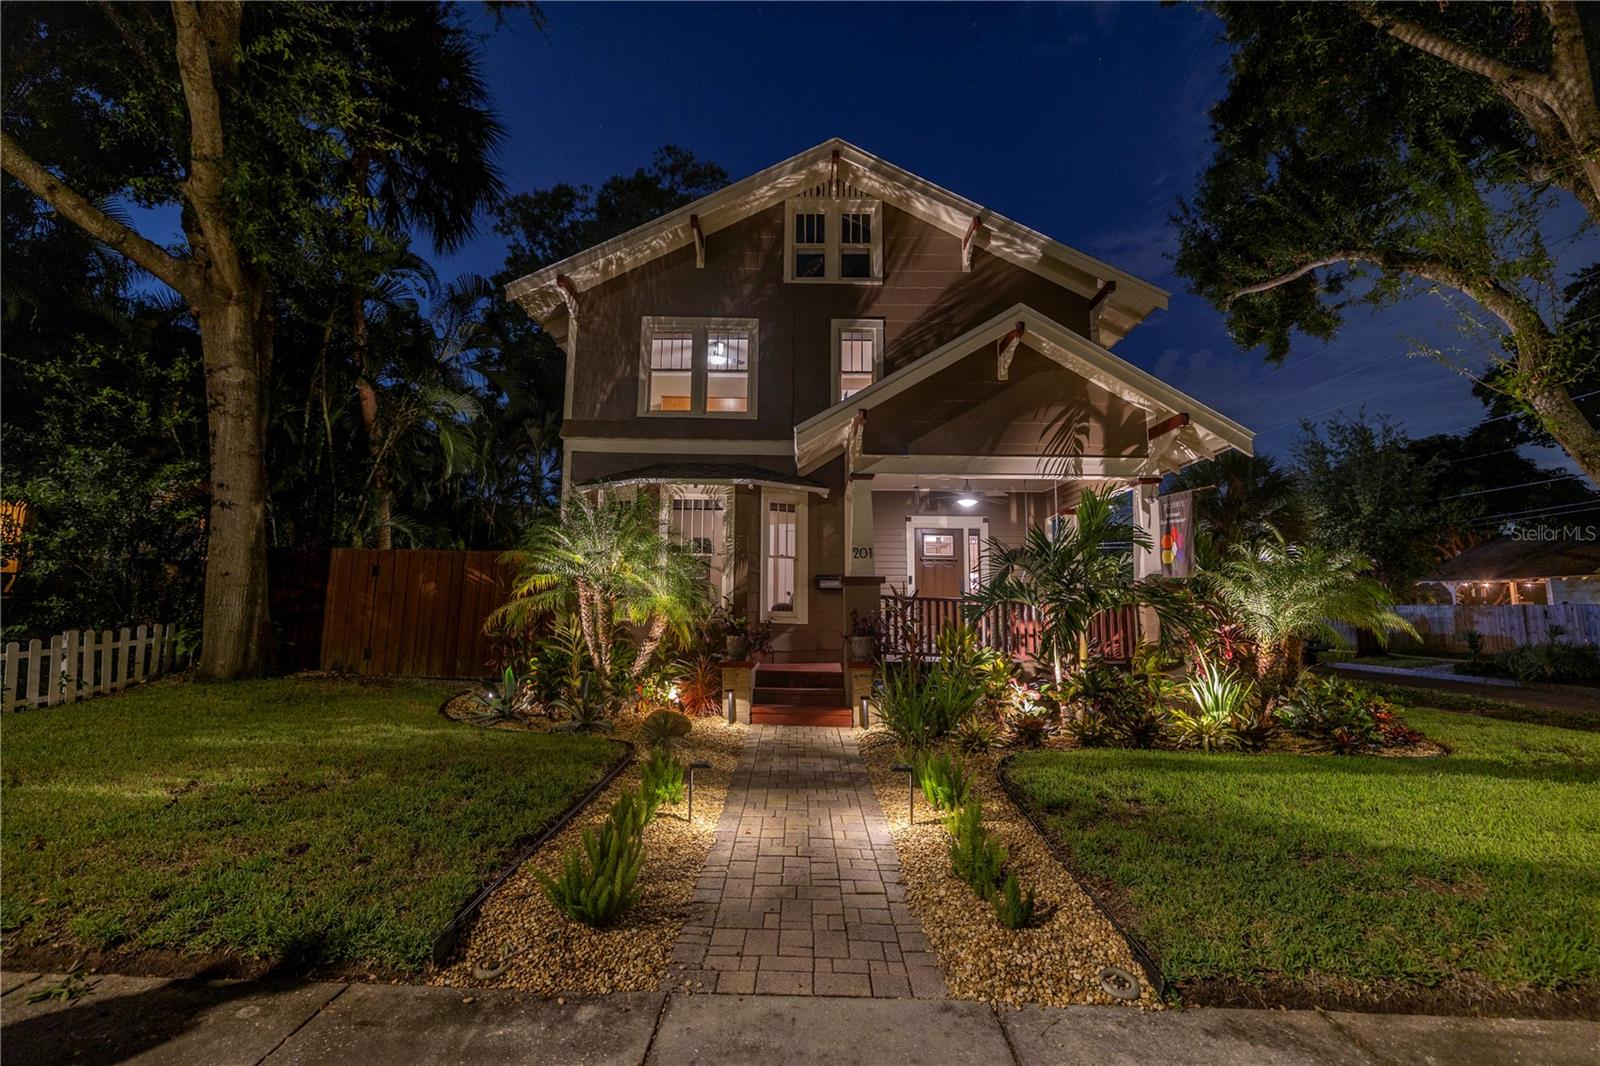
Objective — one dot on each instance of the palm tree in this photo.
(616, 564)
(1284, 596)
(1070, 575)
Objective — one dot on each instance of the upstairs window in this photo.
(698, 366)
(834, 240)
(857, 354)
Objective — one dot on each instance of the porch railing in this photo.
(912, 624)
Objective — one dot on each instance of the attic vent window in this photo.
(836, 240)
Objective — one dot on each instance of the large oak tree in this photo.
(240, 117)
(1364, 151)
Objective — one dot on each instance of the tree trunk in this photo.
(1560, 417)
(236, 341)
(647, 646)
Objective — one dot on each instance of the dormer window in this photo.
(831, 239)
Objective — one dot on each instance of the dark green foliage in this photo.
(1245, 498)
(1012, 908)
(661, 781)
(1113, 707)
(943, 780)
(1558, 662)
(587, 714)
(975, 856)
(598, 881)
(976, 734)
(919, 703)
(1335, 715)
(660, 728)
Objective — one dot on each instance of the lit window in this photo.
(697, 519)
(698, 366)
(833, 240)
(857, 354)
(783, 552)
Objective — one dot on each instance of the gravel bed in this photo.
(547, 954)
(1054, 964)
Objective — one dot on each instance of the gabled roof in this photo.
(1125, 307)
(1207, 432)
(1506, 559)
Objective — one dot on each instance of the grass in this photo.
(314, 820)
(1323, 871)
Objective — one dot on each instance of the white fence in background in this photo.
(81, 665)
(1503, 627)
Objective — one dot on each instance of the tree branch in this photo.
(204, 184)
(77, 209)
(1504, 75)
(1293, 275)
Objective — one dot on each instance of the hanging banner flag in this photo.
(1177, 534)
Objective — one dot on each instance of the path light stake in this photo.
(911, 789)
(692, 768)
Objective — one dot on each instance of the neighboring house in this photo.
(1527, 570)
(840, 378)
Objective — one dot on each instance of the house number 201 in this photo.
(860, 553)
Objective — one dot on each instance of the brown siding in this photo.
(1043, 409)
(925, 300)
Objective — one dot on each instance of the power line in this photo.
(1528, 516)
(1507, 488)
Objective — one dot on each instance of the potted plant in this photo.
(862, 639)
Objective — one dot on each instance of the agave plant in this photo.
(498, 703)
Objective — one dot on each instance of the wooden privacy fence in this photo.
(80, 665)
(912, 625)
(411, 613)
(1444, 627)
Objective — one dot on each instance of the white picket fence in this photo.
(81, 665)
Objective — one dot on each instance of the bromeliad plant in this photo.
(1220, 702)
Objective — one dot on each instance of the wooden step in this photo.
(799, 675)
(801, 714)
(826, 697)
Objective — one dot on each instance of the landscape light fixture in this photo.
(967, 499)
(911, 789)
(692, 768)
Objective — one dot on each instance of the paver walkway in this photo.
(801, 893)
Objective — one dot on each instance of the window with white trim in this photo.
(833, 240)
(783, 556)
(857, 354)
(697, 518)
(698, 366)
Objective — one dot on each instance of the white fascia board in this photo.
(978, 467)
(1134, 299)
(678, 446)
(1073, 351)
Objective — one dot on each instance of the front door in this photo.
(939, 561)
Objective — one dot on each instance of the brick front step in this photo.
(800, 714)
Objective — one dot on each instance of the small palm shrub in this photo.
(599, 879)
(976, 734)
(975, 856)
(660, 728)
(943, 780)
(1012, 908)
(661, 781)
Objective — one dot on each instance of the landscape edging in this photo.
(1146, 960)
(444, 943)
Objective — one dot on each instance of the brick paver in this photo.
(801, 893)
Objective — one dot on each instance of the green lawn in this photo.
(1483, 866)
(317, 820)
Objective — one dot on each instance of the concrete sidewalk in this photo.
(220, 1023)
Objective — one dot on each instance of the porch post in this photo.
(860, 581)
(1147, 561)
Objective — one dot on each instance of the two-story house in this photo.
(837, 377)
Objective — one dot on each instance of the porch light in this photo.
(967, 499)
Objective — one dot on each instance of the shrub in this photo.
(661, 782)
(976, 734)
(974, 855)
(1195, 729)
(943, 780)
(661, 728)
(599, 880)
(1031, 727)
(1558, 662)
(919, 705)
(1334, 715)
(700, 686)
(1012, 908)
(1117, 708)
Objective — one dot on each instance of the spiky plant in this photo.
(1283, 596)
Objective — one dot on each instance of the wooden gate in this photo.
(411, 613)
